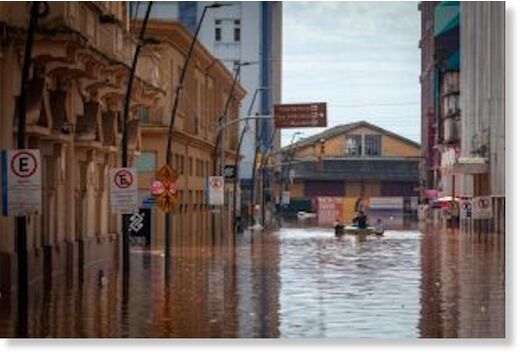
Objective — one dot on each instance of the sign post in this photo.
(21, 182)
(300, 115)
(164, 189)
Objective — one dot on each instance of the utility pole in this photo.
(169, 156)
(21, 222)
(222, 139)
(124, 143)
(246, 127)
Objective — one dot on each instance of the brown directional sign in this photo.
(312, 114)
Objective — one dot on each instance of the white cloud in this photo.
(348, 52)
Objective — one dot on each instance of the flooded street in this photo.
(299, 281)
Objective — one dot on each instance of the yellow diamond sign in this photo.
(165, 188)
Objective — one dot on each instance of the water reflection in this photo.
(299, 281)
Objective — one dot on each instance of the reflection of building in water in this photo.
(430, 286)
(463, 286)
(258, 281)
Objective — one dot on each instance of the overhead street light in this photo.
(167, 224)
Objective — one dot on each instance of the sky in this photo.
(362, 58)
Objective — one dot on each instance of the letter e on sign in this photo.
(21, 182)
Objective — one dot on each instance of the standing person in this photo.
(360, 220)
(380, 228)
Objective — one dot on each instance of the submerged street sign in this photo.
(123, 191)
(21, 182)
(300, 115)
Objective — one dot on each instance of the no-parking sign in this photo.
(482, 207)
(123, 191)
(216, 190)
(21, 182)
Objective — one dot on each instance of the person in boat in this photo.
(338, 227)
(360, 220)
(380, 228)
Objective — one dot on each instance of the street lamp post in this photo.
(246, 127)
(288, 169)
(124, 143)
(221, 137)
(21, 222)
(167, 224)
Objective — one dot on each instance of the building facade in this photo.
(245, 31)
(207, 86)
(481, 165)
(79, 70)
(440, 95)
(464, 145)
(355, 160)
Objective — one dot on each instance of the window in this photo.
(373, 144)
(236, 34)
(146, 162)
(218, 31)
(353, 145)
(143, 114)
(190, 167)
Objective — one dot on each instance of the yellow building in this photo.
(353, 160)
(207, 86)
(80, 65)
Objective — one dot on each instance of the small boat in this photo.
(355, 230)
(305, 215)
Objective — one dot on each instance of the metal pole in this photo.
(124, 143)
(21, 222)
(167, 225)
(235, 181)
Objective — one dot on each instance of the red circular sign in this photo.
(24, 170)
(123, 179)
(157, 188)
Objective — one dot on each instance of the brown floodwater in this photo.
(296, 282)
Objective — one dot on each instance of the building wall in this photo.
(335, 146)
(483, 88)
(72, 118)
(248, 49)
(427, 96)
(207, 87)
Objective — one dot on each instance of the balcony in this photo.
(87, 125)
(109, 127)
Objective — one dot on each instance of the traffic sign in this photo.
(21, 182)
(165, 188)
(286, 198)
(300, 115)
(465, 208)
(123, 191)
(166, 174)
(230, 172)
(482, 207)
(216, 190)
(167, 202)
